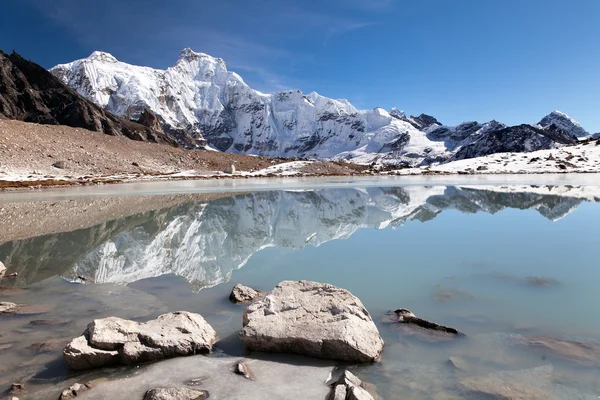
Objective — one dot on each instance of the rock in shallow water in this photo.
(243, 294)
(2, 269)
(274, 380)
(584, 353)
(349, 387)
(407, 317)
(110, 341)
(313, 319)
(6, 307)
(175, 394)
(532, 384)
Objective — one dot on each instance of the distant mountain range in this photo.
(198, 103)
(205, 242)
(201, 97)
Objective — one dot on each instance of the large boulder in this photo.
(113, 340)
(313, 319)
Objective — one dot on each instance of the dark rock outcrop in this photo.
(514, 139)
(425, 121)
(407, 317)
(30, 93)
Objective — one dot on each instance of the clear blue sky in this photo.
(510, 60)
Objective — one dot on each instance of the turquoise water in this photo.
(499, 264)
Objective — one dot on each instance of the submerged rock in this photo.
(313, 319)
(181, 393)
(48, 345)
(584, 353)
(458, 364)
(110, 341)
(533, 384)
(407, 317)
(243, 294)
(281, 380)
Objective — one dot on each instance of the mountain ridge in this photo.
(200, 95)
(30, 93)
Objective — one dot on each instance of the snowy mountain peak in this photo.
(102, 56)
(188, 54)
(564, 122)
(396, 113)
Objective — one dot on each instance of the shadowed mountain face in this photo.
(30, 93)
(205, 242)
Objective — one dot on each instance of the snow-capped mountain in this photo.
(198, 94)
(564, 122)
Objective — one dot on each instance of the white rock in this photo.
(80, 355)
(115, 340)
(6, 307)
(2, 269)
(339, 393)
(313, 319)
(358, 393)
(230, 169)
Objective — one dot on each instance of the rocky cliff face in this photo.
(565, 123)
(204, 243)
(499, 138)
(198, 94)
(30, 93)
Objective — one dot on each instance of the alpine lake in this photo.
(512, 262)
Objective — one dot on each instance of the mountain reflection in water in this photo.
(205, 242)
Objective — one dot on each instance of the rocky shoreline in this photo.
(326, 326)
(39, 156)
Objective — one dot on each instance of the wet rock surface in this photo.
(110, 341)
(23, 309)
(274, 380)
(243, 294)
(312, 319)
(181, 393)
(407, 317)
(584, 353)
(533, 384)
